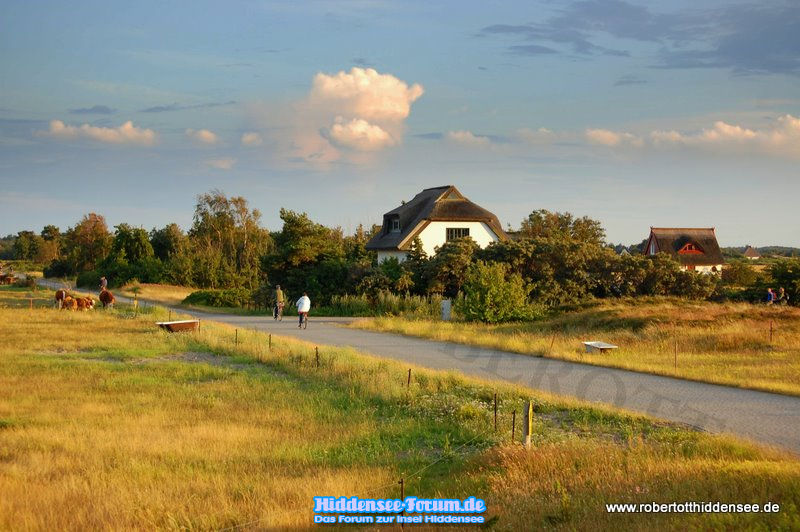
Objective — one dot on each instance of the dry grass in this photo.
(107, 422)
(165, 294)
(724, 344)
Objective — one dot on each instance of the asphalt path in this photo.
(768, 418)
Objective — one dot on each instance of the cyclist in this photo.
(303, 306)
(280, 301)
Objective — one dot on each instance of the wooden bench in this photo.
(598, 347)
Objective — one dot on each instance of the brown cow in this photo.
(107, 298)
(69, 303)
(85, 303)
(60, 295)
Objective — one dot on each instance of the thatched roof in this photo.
(444, 203)
(752, 253)
(692, 246)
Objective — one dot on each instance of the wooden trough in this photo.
(180, 326)
(598, 347)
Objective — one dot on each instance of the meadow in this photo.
(107, 422)
(736, 344)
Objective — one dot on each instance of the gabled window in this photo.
(395, 227)
(453, 233)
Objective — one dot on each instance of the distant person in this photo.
(782, 297)
(770, 296)
(303, 306)
(280, 302)
(103, 283)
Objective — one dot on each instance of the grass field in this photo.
(735, 344)
(107, 422)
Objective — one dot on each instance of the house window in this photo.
(395, 225)
(456, 232)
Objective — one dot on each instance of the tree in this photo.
(168, 241)
(26, 245)
(227, 242)
(563, 226)
(447, 270)
(88, 242)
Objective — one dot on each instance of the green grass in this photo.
(107, 422)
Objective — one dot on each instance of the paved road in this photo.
(764, 417)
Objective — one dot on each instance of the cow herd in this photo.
(64, 301)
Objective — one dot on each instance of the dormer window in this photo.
(395, 225)
(690, 249)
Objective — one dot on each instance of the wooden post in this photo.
(408, 382)
(316, 352)
(676, 354)
(495, 412)
(236, 338)
(513, 426)
(31, 303)
(550, 352)
(527, 425)
(770, 331)
(170, 316)
(270, 342)
(402, 497)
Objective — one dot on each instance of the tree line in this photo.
(553, 259)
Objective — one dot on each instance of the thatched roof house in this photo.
(695, 248)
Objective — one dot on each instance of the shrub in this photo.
(230, 297)
(492, 295)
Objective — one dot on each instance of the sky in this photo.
(634, 113)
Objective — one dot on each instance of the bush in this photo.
(493, 295)
(88, 279)
(230, 297)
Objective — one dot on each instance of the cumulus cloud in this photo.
(127, 133)
(203, 136)
(367, 94)
(350, 115)
(357, 134)
(537, 136)
(252, 139)
(468, 138)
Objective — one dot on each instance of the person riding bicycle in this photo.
(303, 306)
(280, 301)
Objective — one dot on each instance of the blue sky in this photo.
(635, 113)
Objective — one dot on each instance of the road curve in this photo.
(762, 417)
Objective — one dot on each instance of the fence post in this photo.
(236, 338)
(408, 382)
(316, 352)
(270, 342)
(513, 426)
(495, 412)
(770, 332)
(527, 425)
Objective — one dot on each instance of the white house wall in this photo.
(435, 234)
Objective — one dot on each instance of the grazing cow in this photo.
(60, 295)
(107, 298)
(69, 303)
(85, 303)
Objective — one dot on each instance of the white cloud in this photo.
(202, 136)
(221, 164)
(606, 137)
(782, 137)
(350, 116)
(357, 134)
(468, 138)
(366, 94)
(127, 133)
(252, 139)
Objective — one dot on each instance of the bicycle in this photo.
(277, 311)
(304, 320)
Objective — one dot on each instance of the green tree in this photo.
(447, 270)
(562, 226)
(227, 242)
(87, 243)
(26, 245)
